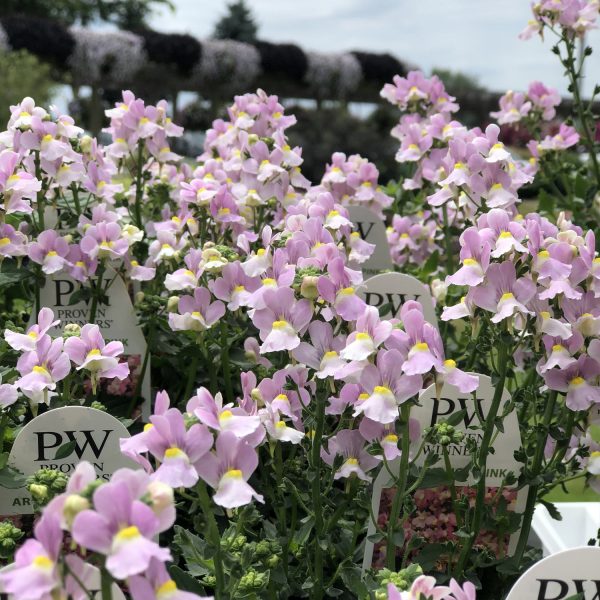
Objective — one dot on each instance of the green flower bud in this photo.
(98, 406)
(308, 287)
(73, 505)
(252, 580)
(71, 330)
(38, 491)
(172, 304)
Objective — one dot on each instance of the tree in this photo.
(21, 75)
(238, 24)
(126, 14)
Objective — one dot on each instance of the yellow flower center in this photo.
(43, 562)
(363, 336)
(413, 147)
(459, 165)
(197, 314)
(269, 281)
(498, 146)
(334, 213)
(4, 241)
(330, 354)
(135, 263)
(469, 262)
(279, 324)
(14, 177)
(52, 253)
(33, 335)
(381, 389)
(282, 398)
(260, 252)
(94, 352)
(450, 364)
(507, 296)
(391, 438)
(543, 254)
(557, 348)
(41, 370)
(234, 473)
(225, 415)
(167, 588)
(224, 211)
(239, 288)
(352, 461)
(347, 291)
(166, 247)
(421, 347)
(128, 533)
(577, 381)
(404, 236)
(505, 234)
(497, 186)
(362, 397)
(148, 426)
(173, 452)
(47, 138)
(280, 425)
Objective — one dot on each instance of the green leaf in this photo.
(546, 202)
(193, 549)
(80, 295)
(185, 581)
(435, 477)
(7, 279)
(11, 478)
(431, 264)
(455, 418)
(65, 450)
(551, 508)
(302, 534)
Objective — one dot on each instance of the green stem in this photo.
(106, 585)
(588, 139)
(139, 190)
(536, 467)
(214, 537)
(317, 498)
(447, 241)
(97, 289)
(225, 362)
(482, 456)
(191, 378)
(452, 486)
(401, 482)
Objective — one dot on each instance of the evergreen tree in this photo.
(238, 24)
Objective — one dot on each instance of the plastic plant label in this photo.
(569, 574)
(371, 228)
(117, 321)
(433, 501)
(94, 435)
(392, 290)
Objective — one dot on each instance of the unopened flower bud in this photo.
(39, 491)
(256, 395)
(253, 139)
(139, 297)
(161, 496)
(308, 287)
(85, 143)
(68, 238)
(172, 303)
(71, 330)
(439, 290)
(73, 505)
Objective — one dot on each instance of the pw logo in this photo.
(444, 407)
(560, 589)
(394, 300)
(63, 288)
(83, 439)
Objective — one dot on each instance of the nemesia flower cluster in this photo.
(118, 520)
(287, 394)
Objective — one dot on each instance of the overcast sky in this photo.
(478, 37)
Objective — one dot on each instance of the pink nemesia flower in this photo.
(228, 469)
